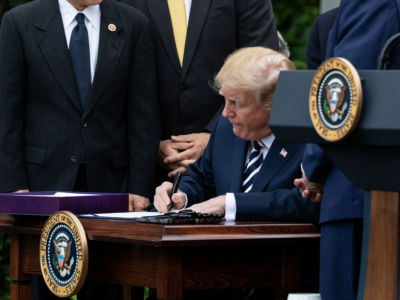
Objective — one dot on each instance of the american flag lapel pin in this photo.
(283, 152)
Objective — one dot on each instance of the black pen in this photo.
(177, 180)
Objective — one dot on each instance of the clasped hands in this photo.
(180, 151)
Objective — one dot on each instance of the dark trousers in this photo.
(81, 180)
(340, 254)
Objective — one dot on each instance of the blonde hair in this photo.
(253, 70)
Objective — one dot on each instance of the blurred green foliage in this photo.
(294, 19)
(14, 3)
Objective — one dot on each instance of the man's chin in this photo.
(237, 130)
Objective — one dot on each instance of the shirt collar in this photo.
(68, 13)
(268, 140)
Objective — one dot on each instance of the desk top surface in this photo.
(126, 231)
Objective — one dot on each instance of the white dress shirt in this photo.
(188, 5)
(230, 201)
(92, 21)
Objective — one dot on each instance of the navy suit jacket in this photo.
(361, 29)
(341, 200)
(273, 197)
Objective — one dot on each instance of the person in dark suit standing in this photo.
(342, 203)
(188, 59)
(78, 103)
(358, 32)
(340, 223)
(245, 172)
(316, 47)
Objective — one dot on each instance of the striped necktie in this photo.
(253, 166)
(179, 25)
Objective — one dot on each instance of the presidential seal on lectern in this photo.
(63, 254)
(335, 100)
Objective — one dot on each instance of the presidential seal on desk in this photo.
(63, 254)
(335, 99)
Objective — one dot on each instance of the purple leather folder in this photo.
(45, 203)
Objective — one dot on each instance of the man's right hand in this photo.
(309, 190)
(162, 198)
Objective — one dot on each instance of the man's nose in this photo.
(227, 110)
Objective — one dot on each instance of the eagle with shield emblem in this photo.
(62, 249)
(335, 91)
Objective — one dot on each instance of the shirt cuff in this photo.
(230, 207)
(186, 201)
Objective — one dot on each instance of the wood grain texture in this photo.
(21, 291)
(228, 267)
(169, 274)
(17, 258)
(169, 235)
(383, 252)
(290, 271)
(172, 258)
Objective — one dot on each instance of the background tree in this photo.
(294, 20)
(8, 4)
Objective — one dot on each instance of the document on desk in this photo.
(55, 195)
(123, 215)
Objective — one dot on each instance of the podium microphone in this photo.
(385, 57)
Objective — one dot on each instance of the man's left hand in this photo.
(137, 202)
(188, 156)
(213, 206)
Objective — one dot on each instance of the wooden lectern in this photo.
(370, 159)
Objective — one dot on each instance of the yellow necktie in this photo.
(179, 25)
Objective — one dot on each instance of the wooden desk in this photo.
(172, 258)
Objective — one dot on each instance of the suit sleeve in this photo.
(277, 205)
(143, 117)
(12, 102)
(313, 53)
(316, 164)
(255, 27)
(198, 183)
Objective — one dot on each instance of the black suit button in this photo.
(84, 124)
(74, 158)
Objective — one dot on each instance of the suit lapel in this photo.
(110, 48)
(238, 159)
(53, 46)
(273, 162)
(160, 14)
(198, 14)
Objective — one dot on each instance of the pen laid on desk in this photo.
(175, 186)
